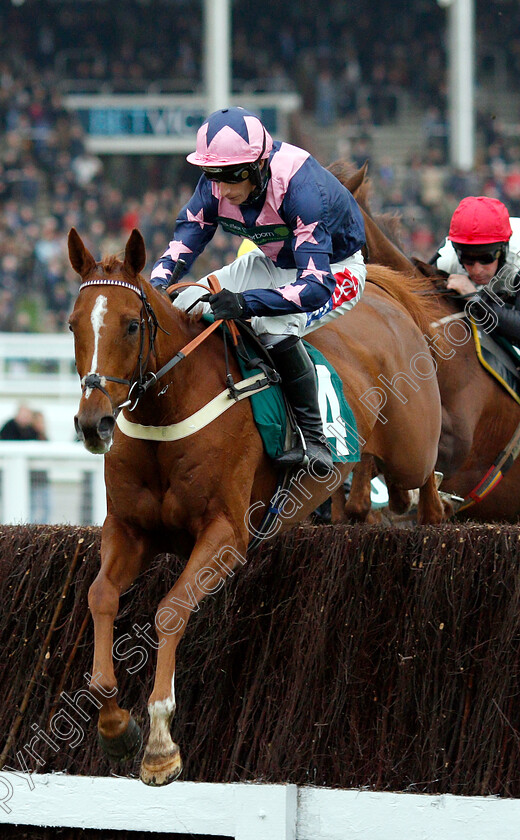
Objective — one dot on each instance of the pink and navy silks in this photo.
(304, 219)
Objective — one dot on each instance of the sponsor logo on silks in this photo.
(346, 289)
(259, 235)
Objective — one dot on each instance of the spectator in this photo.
(21, 426)
(326, 109)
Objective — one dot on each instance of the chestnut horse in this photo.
(479, 417)
(199, 495)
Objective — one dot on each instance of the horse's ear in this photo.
(80, 258)
(427, 269)
(135, 253)
(351, 178)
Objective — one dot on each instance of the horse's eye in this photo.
(133, 327)
(71, 328)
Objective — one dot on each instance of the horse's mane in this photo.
(413, 289)
(414, 293)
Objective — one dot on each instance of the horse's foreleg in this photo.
(122, 556)
(211, 562)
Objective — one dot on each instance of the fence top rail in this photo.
(251, 811)
(36, 346)
(46, 449)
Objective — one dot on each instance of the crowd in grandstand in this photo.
(49, 182)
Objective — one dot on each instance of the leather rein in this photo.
(142, 380)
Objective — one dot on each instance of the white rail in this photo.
(38, 369)
(19, 350)
(48, 482)
(251, 811)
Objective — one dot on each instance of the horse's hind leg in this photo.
(122, 556)
(358, 507)
(399, 500)
(430, 510)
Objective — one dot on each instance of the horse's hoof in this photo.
(123, 747)
(157, 770)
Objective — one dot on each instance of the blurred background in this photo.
(100, 101)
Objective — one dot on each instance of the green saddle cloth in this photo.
(339, 423)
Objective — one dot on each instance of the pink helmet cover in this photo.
(230, 137)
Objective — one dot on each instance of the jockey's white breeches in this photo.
(254, 270)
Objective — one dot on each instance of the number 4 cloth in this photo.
(339, 423)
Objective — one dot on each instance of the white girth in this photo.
(197, 421)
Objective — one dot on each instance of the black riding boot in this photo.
(294, 365)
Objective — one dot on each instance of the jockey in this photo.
(306, 267)
(482, 250)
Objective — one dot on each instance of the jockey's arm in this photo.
(194, 228)
(326, 226)
(311, 290)
(508, 321)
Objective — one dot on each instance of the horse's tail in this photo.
(412, 292)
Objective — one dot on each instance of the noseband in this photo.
(139, 382)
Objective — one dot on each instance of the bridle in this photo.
(139, 382)
(142, 380)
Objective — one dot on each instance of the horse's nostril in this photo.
(105, 427)
(79, 430)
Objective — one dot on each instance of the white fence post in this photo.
(99, 502)
(15, 488)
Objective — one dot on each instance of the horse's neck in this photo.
(385, 252)
(194, 380)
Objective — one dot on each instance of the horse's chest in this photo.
(164, 492)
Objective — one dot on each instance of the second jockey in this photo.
(307, 265)
(481, 255)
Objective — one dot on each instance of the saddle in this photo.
(272, 413)
(500, 358)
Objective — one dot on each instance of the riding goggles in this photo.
(228, 174)
(486, 258)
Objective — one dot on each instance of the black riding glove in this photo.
(227, 305)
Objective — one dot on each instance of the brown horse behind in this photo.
(479, 417)
(201, 495)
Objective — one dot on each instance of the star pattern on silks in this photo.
(175, 248)
(199, 218)
(292, 293)
(160, 272)
(312, 271)
(304, 233)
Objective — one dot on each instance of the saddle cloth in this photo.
(500, 358)
(339, 423)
